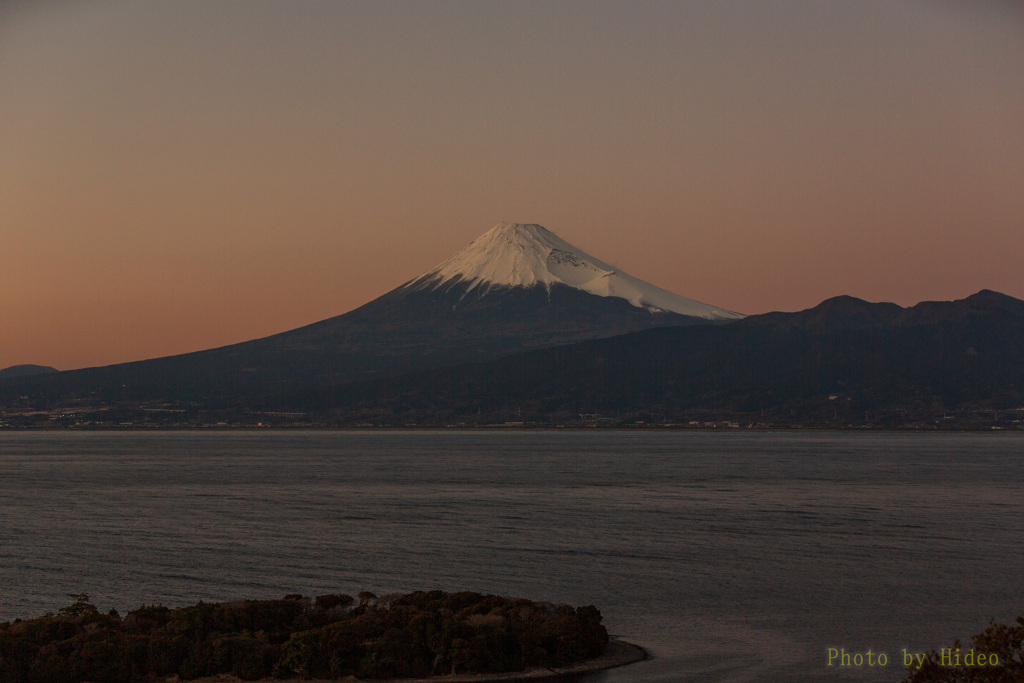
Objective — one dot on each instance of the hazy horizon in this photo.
(177, 177)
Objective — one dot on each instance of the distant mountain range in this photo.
(26, 371)
(523, 327)
(844, 362)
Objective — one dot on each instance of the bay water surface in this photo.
(729, 556)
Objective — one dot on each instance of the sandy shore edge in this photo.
(619, 653)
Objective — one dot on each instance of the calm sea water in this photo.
(729, 556)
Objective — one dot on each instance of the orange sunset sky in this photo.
(182, 175)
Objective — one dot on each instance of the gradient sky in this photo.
(182, 175)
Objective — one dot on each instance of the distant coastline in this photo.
(1016, 425)
(845, 364)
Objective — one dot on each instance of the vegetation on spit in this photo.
(995, 655)
(331, 637)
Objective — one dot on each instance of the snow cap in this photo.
(529, 255)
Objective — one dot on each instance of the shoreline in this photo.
(145, 427)
(619, 653)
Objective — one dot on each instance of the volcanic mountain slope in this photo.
(516, 288)
(845, 361)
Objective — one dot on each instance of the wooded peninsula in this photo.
(330, 637)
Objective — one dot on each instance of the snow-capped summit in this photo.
(529, 255)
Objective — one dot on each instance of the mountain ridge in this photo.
(926, 360)
(935, 365)
(26, 370)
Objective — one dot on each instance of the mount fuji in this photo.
(528, 255)
(518, 287)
